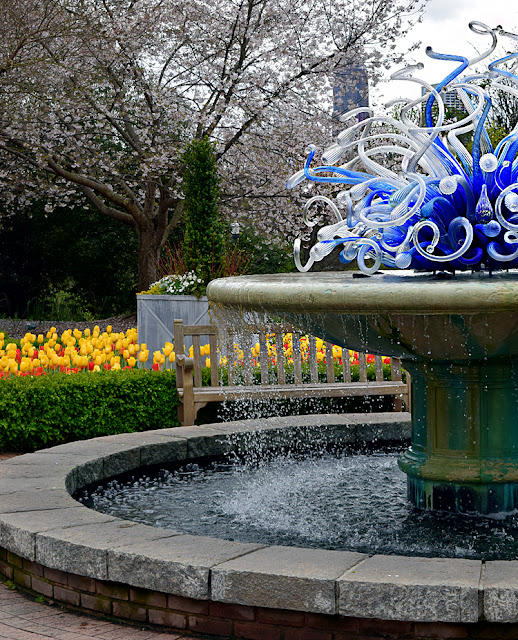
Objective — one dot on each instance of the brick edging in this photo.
(122, 602)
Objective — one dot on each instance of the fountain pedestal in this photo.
(464, 452)
(457, 337)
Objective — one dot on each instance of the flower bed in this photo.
(72, 352)
(75, 351)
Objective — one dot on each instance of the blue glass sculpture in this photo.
(442, 206)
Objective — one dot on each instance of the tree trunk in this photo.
(148, 257)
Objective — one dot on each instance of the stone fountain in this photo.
(414, 197)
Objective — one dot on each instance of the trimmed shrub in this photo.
(40, 412)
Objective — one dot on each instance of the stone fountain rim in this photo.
(42, 523)
(399, 292)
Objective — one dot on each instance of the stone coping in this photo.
(41, 522)
(393, 291)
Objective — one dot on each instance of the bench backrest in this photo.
(305, 351)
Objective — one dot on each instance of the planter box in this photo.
(156, 315)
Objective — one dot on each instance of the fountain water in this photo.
(415, 197)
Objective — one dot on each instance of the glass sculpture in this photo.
(410, 193)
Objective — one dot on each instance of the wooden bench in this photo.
(194, 396)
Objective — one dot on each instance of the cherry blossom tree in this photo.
(99, 99)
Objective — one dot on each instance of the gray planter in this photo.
(156, 315)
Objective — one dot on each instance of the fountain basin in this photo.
(456, 336)
(55, 546)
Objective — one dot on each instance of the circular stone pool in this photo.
(53, 546)
(350, 501)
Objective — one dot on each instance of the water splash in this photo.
(338, 500)
(438, 206)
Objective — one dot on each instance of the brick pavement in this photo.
(21, 618)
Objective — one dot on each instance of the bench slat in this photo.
(229, 353)
(281, 361)
(362, 360)
(330, 363)
(346, 365)
(245, 343)
(199, 330)
(214, 360)
(378, 362)
(263, 357)
(313, 364)
(297, 367)
(395, 368)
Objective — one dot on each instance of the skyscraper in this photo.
(350, 90)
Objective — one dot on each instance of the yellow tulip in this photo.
(172, 357)
(143, 355)
(116, 367)
(96, 368)
(132, 362)
(98, 360)
(109, 329)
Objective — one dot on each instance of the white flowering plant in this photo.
(175, 284)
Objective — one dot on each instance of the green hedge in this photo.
(49, 410)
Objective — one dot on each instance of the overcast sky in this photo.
(445, 29)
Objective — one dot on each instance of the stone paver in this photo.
(23, 619)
